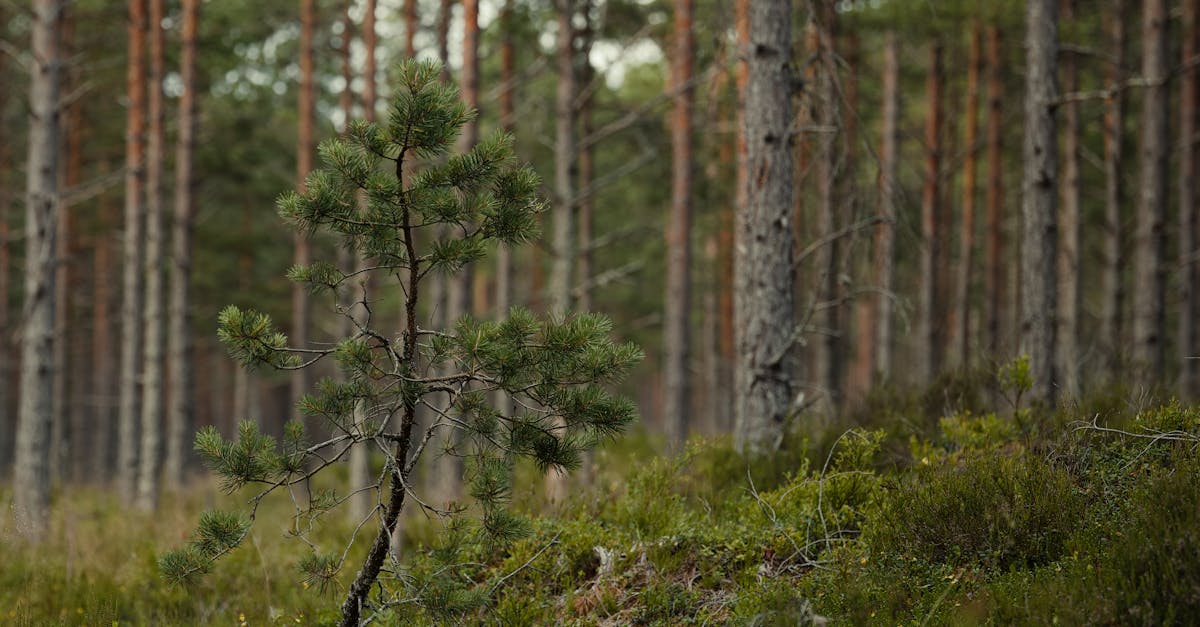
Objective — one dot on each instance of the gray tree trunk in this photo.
(1189, 219)
(885, 234)
(133, 294)
(1115, 253)
(31, 479)
(678, 296)
(181, 414)
(154, 317)
(1067, 351)
(931, 332)
(1149, 236)
(994, 266)
(961, 330)
(565, 163)
(764, 306)
(1039, 185)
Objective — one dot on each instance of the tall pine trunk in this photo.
(764, 305)
(961, 331)
(133, 292)
(565, 162)
(305, 145)
(828, 359)
(31, 478)
(154, 317)
(1067, 351)
(931, 332)
(885, 234)
(508, 71)
(678, 297)
(181, 415)
(1149, 236)
(1189, 219)
(1113, 291)
(8, 354)
(1039, 185)
(994, 274)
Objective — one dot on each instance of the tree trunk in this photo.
(1115, 254)
(885, 234)
(410, 28)
(104, 362)
(565, 163)
(764, 306)
(443, 37)
(729, 220)
(1150, 238)
(305, 145)
(828, 358)
(181, 416)
(31, 479)
(504, 290)
(154, 318)
(1067, 351)
(133, 295)
(587, 165)
(1189, 221)
(1039, 185)
(930, 336)
(678, 296)
(7, 352)
(961, 330)
(63, 463)
(994, 269)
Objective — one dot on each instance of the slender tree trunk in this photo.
(104, 362)
(63, 463)
(885, 234)
(565, 162)
(678, 297)
(961, 331)
(828, 359)
(994, 272)
(305, 145)
(728, 221)
(508, 71)
(930, 336)
(154, 318)
(443, 37)
(1150, 238)
(31, 480)
(181, 415)
(410, 28)
(764, 299)
(133, 295)
(1067, 351)
(1038, 188)
(1189, 220)
(587, 167)
(8, 352)
(1115, 254)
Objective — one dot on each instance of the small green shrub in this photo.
(997, 512)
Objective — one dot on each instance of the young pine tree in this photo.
(412, 226)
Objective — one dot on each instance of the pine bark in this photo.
(410, 28)
(995, 276)
(1189, 219)
(584, 210)
(66, 420)
(154, 317)
(181, 415)
(8, 353)
(305, 146)
(104, 359)
(1112, 318)
(565, 163)
(827, 360)
(676, 330)
(764, 306)
(1067, 351)
(885, 234)
(729, 217)
(1149, 235)
(931, 334)
(961, 330)
(31, 478)
(1038, 188)
(133, 294)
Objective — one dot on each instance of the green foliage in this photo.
(409, 223)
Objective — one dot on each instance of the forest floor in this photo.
(943, 507)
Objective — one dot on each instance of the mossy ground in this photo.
(938, 508)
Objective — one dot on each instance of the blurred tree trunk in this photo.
(1149, 236)
(729, 218)
(104, 362)
(133, 294)
(764, 304)
(1115, 254)
(829, 306)
(587, 164)
(181, 416)
(445, 10)
(1039, 185)
(8, 353)
(508, 71)
(885, 234)
(31, 479)
(565, 162)
(305, 146)
(678, 297)
(994, 269)
(154, 316)
(930, 335)
(1189, 220)
(63, 463)
(1067, 352)
(961, 329)
(410, 28)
